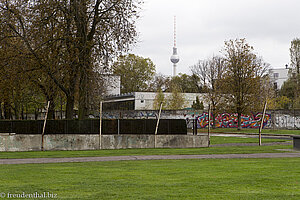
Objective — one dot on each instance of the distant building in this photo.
(278, 77)
(144, 100)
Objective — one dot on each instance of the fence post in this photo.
(208, 131)
(44, 127)
(118, 120)
(100, 126)
(193, 127)
(261, 124)
(294, 127)
(156, 129)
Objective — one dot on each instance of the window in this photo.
(121, 105)
(276, 75)
(275, 86)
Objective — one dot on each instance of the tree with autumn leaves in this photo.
(234, 82)
(135, 71)
(64, 43)
(242, 78)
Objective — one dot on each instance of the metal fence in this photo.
(92, 126)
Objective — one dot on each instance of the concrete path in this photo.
(152, 157)
(254, 135)
(251, 144)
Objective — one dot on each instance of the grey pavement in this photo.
(251, 144)
(253, 135)
(150, 157)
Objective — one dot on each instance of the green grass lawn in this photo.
(126, 152)
(224, 140)
(249, 130)
(158, 179)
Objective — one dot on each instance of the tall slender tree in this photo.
(295, 54)
(295, 63)
(158, 100)
(241, 80)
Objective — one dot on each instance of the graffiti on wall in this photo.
(287, 121)
(227, 120)
(129, 114)
(149, 114)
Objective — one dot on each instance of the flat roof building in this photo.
(145, 100)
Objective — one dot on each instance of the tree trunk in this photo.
(84, 47)
(7, 111)
(84, 85)
(1, 116)
(22, 112)
(83, 110)
(36, 114)
(70, 107)
(51, 110)
(214, 119)
(16, 110)
(50, 96)
(213, 112)
(239, 121)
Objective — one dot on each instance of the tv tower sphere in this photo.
(174, 58)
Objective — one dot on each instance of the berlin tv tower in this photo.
(174, 58)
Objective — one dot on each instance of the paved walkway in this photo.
(251, 144)
(153, 157)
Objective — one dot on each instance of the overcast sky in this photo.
(204, 25)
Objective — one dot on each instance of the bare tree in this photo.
(159, 82)
(211, 72)
(200, 69)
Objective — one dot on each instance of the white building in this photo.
(278, 76)
(145, 100)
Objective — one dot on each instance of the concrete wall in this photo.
(278, 119)
(145, 100)
(22, 142)
(230, 120)
(286, 121)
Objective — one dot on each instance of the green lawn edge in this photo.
(133, 152)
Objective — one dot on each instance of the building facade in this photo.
(278, 77)
(145, 100)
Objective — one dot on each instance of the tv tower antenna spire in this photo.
(174, 58)
(174, 31)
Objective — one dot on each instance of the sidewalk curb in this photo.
(149, 157)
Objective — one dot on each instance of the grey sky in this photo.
(204, 25)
